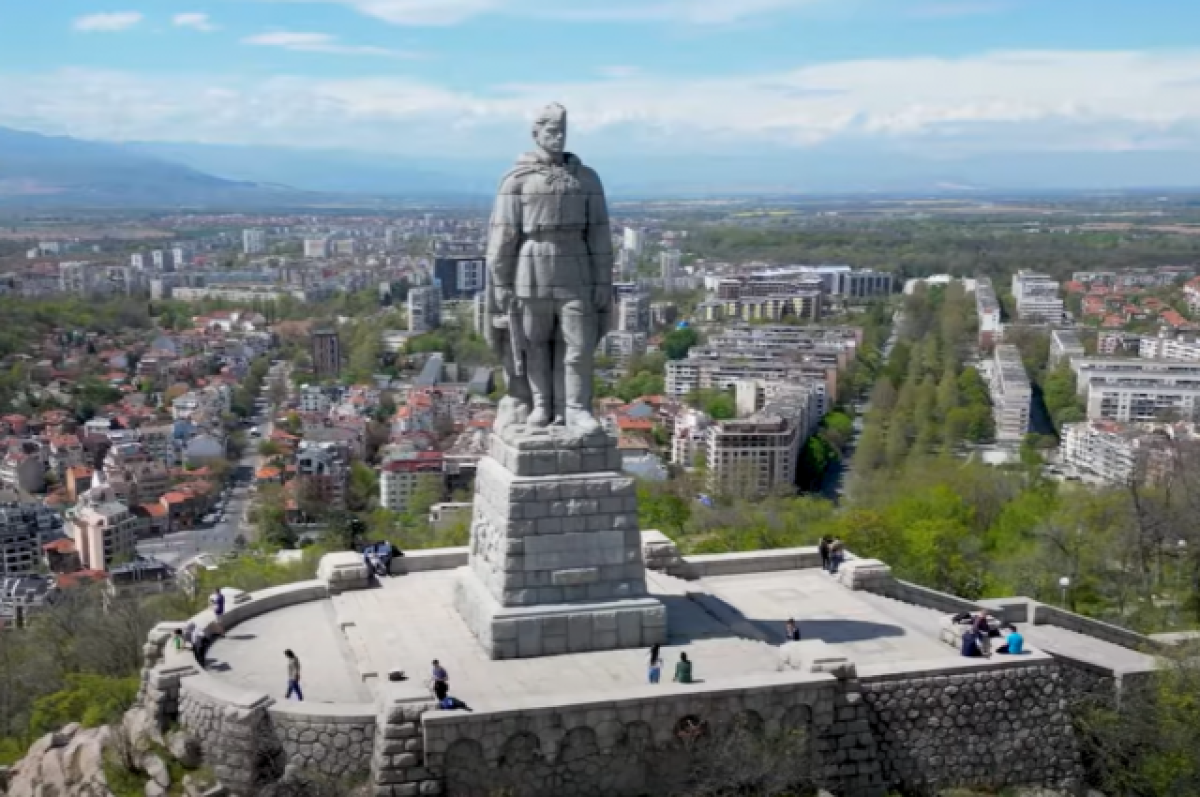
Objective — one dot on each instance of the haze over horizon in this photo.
(763, 94)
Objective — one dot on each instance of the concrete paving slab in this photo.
(251, 655)
(729, 625)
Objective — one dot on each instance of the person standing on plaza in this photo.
(439, 675)
(655, 664)
(293, 676)
(823, 549)
(217, 602)
(837, 555)
(199, 645)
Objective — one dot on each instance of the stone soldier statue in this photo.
(550, 269)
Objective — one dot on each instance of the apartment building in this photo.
(987, 307)
(23, 528)
(1037, 298)
(1011, 395)
(254, 242)
(633, 310)
(1119, 453)
(752, 456)
(399, 478)
(322, 475)
(326, 353)
(687, 376)
(623, 346)
(1167, 348)
(424, 309)
(1065, 345)
(243, 293)
(104, 530)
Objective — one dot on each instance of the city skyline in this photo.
(942, 82)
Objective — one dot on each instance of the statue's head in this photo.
(550, 129)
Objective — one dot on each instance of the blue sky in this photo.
(932, 78)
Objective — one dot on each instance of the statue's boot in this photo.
(582, 421)
(540, 416)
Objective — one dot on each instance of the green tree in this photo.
(678, 342)
(663, 510)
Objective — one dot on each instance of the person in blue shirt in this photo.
(1014, 643)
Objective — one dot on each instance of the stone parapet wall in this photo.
(731, 564)
(232, 728)
(975, 725)
(633, 746)
(1052, 615)
(334, 740)
(923, 596)
(423, 561)
(400, 765)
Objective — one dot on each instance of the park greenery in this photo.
(910, 247)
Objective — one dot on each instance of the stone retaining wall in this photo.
(632, 746)
(974, 726)
(232, 728)
(334, 740)
(401, 766)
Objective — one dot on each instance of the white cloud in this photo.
(1005, 101)
(319, 43)
(451, 12)
(107, 23)
(420, 12)
(195, 21)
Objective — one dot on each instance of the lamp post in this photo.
(1064, 584)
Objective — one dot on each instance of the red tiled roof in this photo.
(77, 578)
(155, 510)
(64, 546)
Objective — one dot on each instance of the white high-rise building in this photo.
(316, 248)
(635, 240)
(1011, 395)
(1036, 297)
(254, 242)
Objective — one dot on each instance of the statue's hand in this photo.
(503, 298)
(602, 297)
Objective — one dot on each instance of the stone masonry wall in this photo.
(983, 727)
(332, 743)
(556, 539)
(399, 765)
(621, 748)
(233, 734)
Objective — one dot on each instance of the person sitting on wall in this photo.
(683, 670)
(971, 648)
(1014, 642)
(449, 703)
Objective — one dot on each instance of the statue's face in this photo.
(551, 136)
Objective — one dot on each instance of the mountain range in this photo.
(38, 171)
(51, 171)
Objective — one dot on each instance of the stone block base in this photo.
(519, 632)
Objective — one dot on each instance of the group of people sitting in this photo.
(980, 629)
(379, 556)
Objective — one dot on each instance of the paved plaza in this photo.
(730, 627)
(251, 655)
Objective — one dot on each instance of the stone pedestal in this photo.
(556, 558)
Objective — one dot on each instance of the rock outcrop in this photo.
(67, 763)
